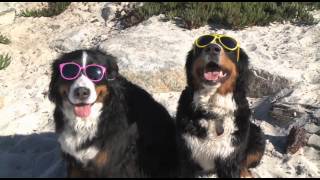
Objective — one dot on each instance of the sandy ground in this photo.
(28, 146)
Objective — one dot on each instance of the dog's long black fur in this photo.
(248, 138)
(126, 105)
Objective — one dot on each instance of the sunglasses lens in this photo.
(95, 73)
(70, 70)
(228, 42)
(205, 40)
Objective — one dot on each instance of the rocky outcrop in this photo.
(296, 140)
(152, 54)
(156, 46)
(314, 141)
(283, 83)
(7, 16)
(1, 102)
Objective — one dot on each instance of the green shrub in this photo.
(235, 15)
(5, 61)
(54, 9)
(4, 39)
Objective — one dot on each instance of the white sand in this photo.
(28, 146)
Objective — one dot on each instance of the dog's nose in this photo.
(214, 49)
(219, 130)
(82, 93)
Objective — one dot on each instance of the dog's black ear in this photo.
(113, 69)
(111, 63)
(53, 93)
(188, 66)
(243, 62)
(243, 68)
(243, 56)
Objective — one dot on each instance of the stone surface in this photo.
(312, 128)
(20, 6)
(314, 141)
(300, 106)
(263, 83)
(156, 46)
(296, 140)
(7, 16)
(73, 39)
(1, 102)
(152, 54)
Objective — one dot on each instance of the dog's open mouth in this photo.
(82, 110)
(214, 73)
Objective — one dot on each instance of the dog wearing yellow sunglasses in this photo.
(216, 136)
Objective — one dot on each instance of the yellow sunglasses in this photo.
(227, 42)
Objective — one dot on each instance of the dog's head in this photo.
(74, 80)
(216, 67)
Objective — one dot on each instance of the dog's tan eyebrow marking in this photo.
(84, 58)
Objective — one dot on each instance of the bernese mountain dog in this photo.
(215, 134)
(106, 125)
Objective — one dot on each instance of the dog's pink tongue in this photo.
(212, 76)
(82, 111)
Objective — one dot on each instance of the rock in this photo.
(149, 49)
(168, 100)
(262, 83)
(316, 116)
(314, 141)
(300, 106)
(156, 46)
(7, 16)
(150, 56)
(73, 39)
(252, 47)
(311, 153)
(296, 140)
(20, 6)
(1, 102)
(312, 128)
(4, 7)
(105, 13)
(284, 113)
(266, 108)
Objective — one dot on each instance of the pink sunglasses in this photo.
(71, 71)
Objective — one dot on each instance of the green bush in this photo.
(5, 61)
(235, 15)
(4, 39)
(54, 9)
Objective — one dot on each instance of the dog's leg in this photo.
(73, 169)
(254, 152)
(228, 167)
(188, 169)
(74, 172)
(245, 173)
(255, 148)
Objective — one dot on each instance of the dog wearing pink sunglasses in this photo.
(106, 125)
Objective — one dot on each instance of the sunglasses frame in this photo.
(81, 69)
(214, 40)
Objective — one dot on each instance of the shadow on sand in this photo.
(35, 155)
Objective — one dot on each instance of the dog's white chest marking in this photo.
(78, 131)
(204, 151)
